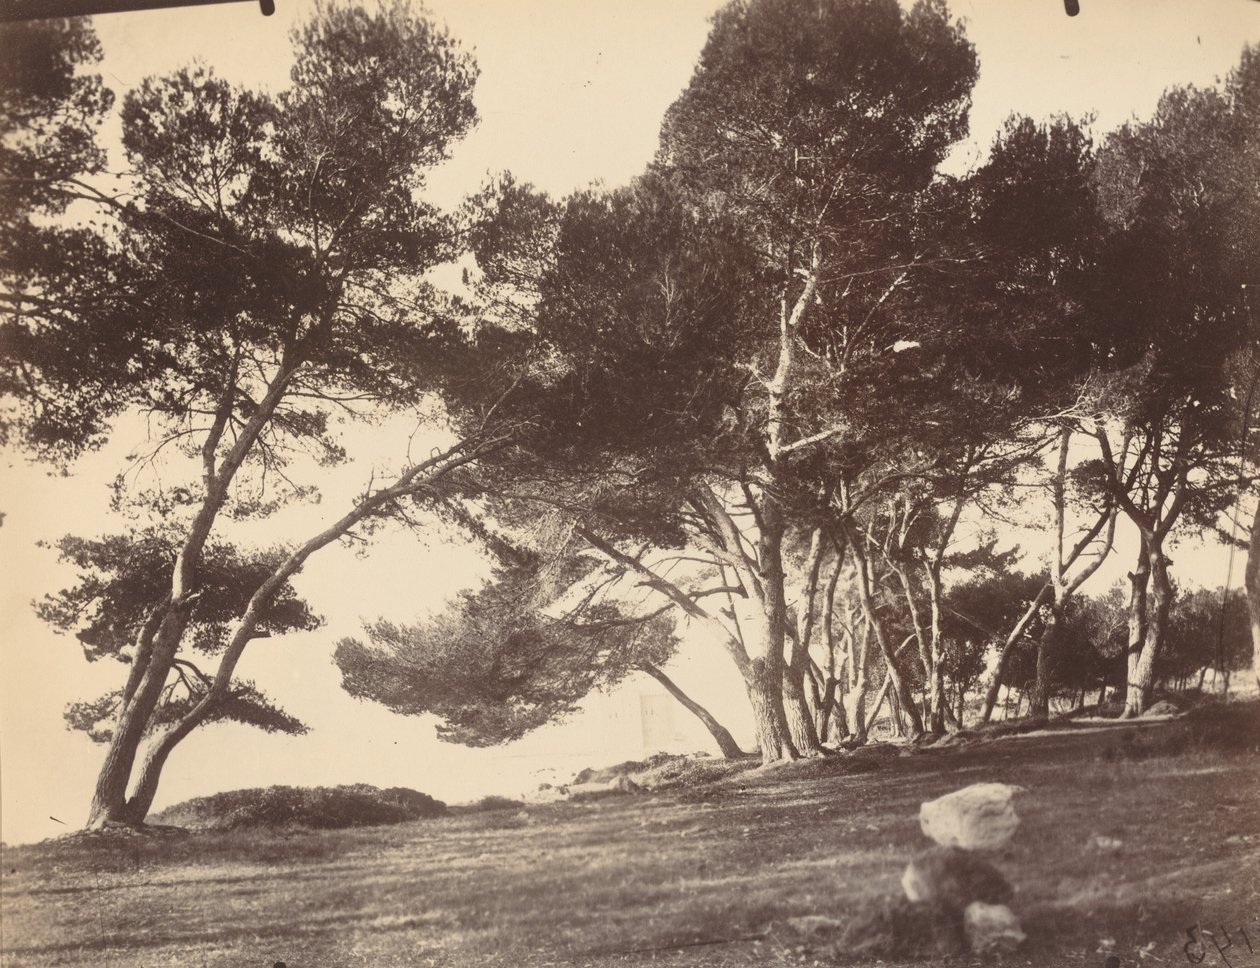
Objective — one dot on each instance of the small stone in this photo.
(977, 817)
(991, 927)
(1099, 842)
(952, 877)
(1163, 708)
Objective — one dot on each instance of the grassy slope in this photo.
(639, 879)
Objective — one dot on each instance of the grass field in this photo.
(706, 875)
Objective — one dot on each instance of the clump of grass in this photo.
(321, 808)
(1229, 727)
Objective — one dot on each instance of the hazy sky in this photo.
(571, 92)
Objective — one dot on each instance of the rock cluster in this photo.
(953, 878)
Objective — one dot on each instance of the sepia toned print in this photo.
(587, 483)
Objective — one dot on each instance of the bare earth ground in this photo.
(704, 876)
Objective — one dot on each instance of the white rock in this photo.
(992, 927)
(978, 817)
(546, 793)
(1099, 842)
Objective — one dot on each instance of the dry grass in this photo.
(709, 878)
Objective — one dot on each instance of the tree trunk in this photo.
(991, 694)
(853, 693)
(885, 691)
(1142, 675)
(765, 694)
(1039, 695)
(109, 798)
(825, 707)
(938, 706)
(1139, 580)
(1251, 581)
(800, 718)
(721, 735)
(900, 688)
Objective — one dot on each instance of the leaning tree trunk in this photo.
(995, 687)
(109, 797)
(721, 735)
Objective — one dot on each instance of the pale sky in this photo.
(571, 92)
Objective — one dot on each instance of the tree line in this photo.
(779, 391)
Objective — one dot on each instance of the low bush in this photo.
(488, 804)
(359, 805)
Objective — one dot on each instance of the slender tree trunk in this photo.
(1142, 677)
(938, 706)
(854, 696)
(1039, 695)
(1251, 580)
(796, 703)
(1139, 581)
(825, 707)
(1008, 647)
(885, 693)
(721, 735)
(900, 688)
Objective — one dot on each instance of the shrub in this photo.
(490, 803)
(359, 805)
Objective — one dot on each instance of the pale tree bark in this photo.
(871, 613)
(721, 735)
(854, 698)
(836, 672)
(1251, 580)
(1106, 519)
(1012, 639)
(1163, 494)
(1063, 586)
(764, 635)
(801, 722)
(900, 556)
(1141, 680)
